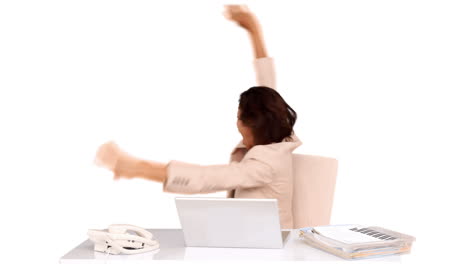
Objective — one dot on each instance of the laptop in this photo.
(230, 222)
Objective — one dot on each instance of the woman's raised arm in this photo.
(247, 20)
(263, 64)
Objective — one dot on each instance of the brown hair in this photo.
(263, 110)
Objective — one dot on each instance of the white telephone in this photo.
(117, 240)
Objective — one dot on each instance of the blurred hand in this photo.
(107, 155)
(241, 15)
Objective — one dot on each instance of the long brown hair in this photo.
(263, 110)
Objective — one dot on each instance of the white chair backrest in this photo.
(314, 187)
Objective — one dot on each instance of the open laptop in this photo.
(229, 222)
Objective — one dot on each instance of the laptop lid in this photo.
(228, 222)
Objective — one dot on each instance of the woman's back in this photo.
(278, 156)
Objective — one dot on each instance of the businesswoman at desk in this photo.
(260, 165)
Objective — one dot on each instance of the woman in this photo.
(261, 165)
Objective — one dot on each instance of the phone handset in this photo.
(118, 239)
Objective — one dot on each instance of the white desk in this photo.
(172, 250)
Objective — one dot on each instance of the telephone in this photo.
(118, 239)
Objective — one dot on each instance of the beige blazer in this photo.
(264, 171)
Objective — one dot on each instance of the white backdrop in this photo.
(379, 85)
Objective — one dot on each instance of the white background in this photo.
(379, 85)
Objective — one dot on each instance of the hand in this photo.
(242, 15)
(110, 156)
(107, 155)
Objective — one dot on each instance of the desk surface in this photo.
(172, 249)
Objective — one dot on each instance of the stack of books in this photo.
(356, 241)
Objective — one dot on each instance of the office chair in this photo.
(314, 186)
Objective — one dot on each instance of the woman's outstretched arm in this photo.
(180, 177)
(123, 165)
